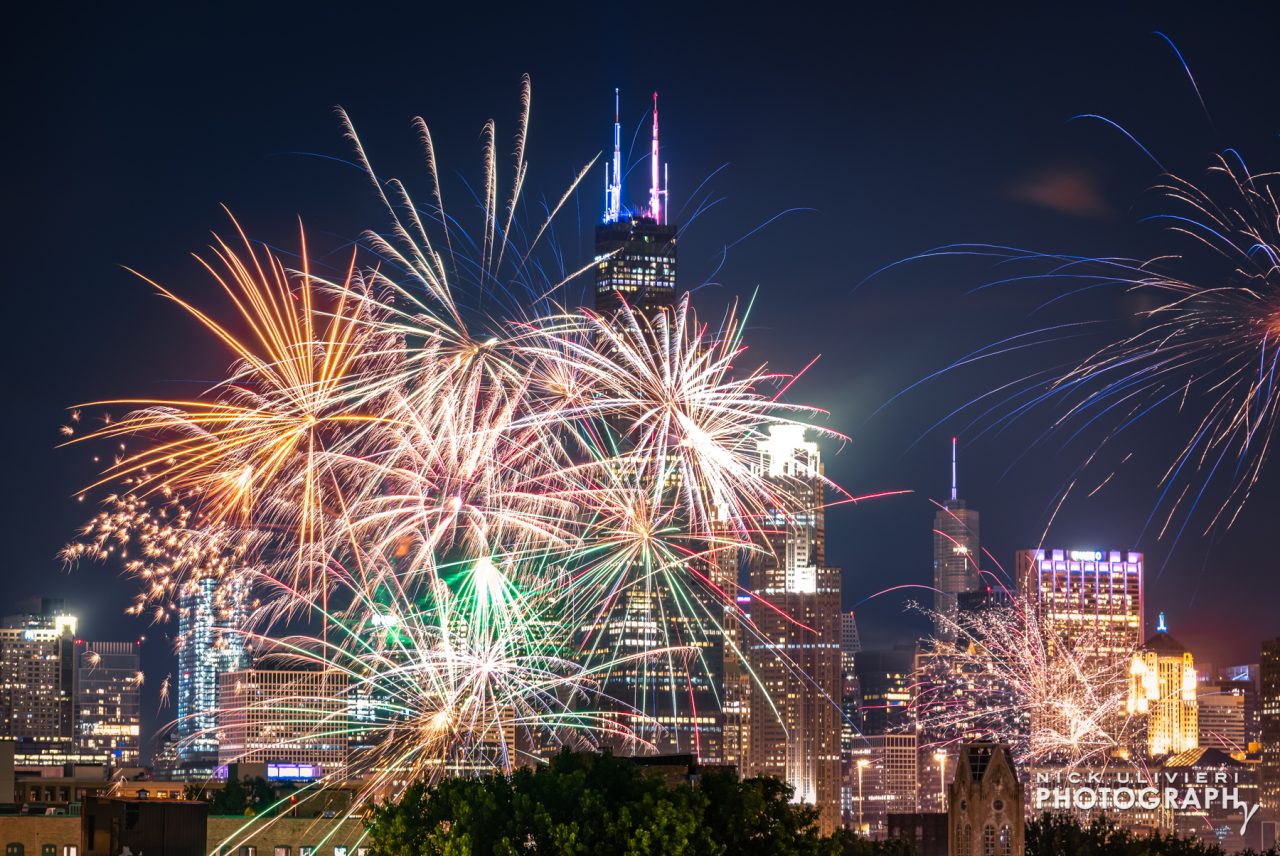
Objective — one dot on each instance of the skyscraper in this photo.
(203, 656)
(1088, 601)
(1162, 693)
(1086, 597)
(680, 698)
(1269, 702)
(885, 779)
(958, 694)
(737, 679)
(37, 683)
(1243, 680)
(795, 716)
(635, 251)
(1221, 713)
(109, 713)
(956, 556)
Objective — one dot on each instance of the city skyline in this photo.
(775, 246)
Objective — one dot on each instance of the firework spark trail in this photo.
(424, 502)
(1208, 349)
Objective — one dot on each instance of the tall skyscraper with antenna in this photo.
(956, 555)
(635, 249)
(674, 702)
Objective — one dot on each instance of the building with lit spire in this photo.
(671, 703)
(1162, 694)
(955, 556)
(635, 249)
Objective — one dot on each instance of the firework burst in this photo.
(1205, 354)
(1211, 344)
(1009, 678)
(429, 506)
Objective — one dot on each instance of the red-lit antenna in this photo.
(657, 193)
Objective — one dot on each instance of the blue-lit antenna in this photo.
(1161, 627)
(613, 178)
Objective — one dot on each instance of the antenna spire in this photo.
(953, 469)
(613, 178)
(656, 191)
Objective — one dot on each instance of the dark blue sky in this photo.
(902, 130)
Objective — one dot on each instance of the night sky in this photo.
(892, 132)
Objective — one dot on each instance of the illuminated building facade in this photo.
(677, 697)
(956, 554)
(1086, 597)
(1088, 601)
(1162, 693)
(1222, 711)
(884, 778)
(957, 697)
(795, 713)
(635, 262)
(283, 717)
(1244, 680)
(204, 654)
(38, 685)
(957, 694)
(109, 711)
(737, 679)
(1269, 727)
(681, 699)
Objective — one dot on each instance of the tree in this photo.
(599, 804)
(576, 804)
(756, 816)
(1062, 835)
(849, 843)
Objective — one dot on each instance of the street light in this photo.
(941, 758)
(862, 763)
